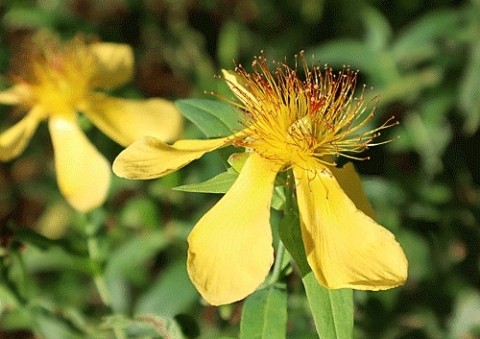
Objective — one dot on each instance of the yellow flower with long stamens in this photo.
(60, 80)
(290, 124)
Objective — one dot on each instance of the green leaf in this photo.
(346, 52)
(8, 300)
(423, 35)
(237, 160)
(128, 263)
(429, 140)
(47, 325)
(29, 236)
(140, 212)
(378, 31)
(332, 310)
(470, 91)
(416, 247)
(29, 17)
(230, 41)
(278, 198)
(291, 236)
(170, 294)
(166, 327)
(57, 259)
(409, 85)
(218, 184)
(466, 316)
(134, 254)
(214, 118)
(143, 326)
(264, 315)
(18, 318)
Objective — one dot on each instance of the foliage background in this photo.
(422, 59)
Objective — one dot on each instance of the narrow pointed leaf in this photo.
(144, 326)
(165, 327)
(291, 236)
(378, 30)
(170, 294)
(218, 184)
(347, 52)
(332, 310)
(264, 315)
(470, 91)
(426, 32)
(213, 118)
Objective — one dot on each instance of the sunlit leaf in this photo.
(378, 30)
(29, 236)
(29, 17)
(7, 299)
(127, 262)
(229, 42)
(133, 254)
(409, 86)
(214, 118)
(56, 259)
(345, 52)
(465, 322)
(143, 326)
(218, 184)
(425, 33)
(140, 212)
(165, 327)
(264, 315)
(170, 294)
(51, 326)
(237, 160)
(416, 250)
(470, 90)
(291, 236)
(332, 310)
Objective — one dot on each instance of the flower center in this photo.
(60, 75)
(298, 121)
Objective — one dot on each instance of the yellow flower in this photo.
(295, 125)
(58, 81)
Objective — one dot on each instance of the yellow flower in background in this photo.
(290, 124)
(57, 82)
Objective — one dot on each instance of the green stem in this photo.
(277, 267)
(118, 332)
(22, 285)
(94, 255)
(91, 229)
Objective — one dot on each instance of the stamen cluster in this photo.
(59, 75)
(296, 120)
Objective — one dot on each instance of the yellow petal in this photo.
(230, 249)
(344, 247)
(114, 64)
(14, 95)
(349, 180)
(149, 157)
(128, 120)
(14, 140)
(83, 174)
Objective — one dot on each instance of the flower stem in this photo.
(95, 257)
(277, 267)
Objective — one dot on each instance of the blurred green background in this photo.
(422, 58)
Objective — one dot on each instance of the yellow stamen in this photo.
(296, 121)
(62, 76)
